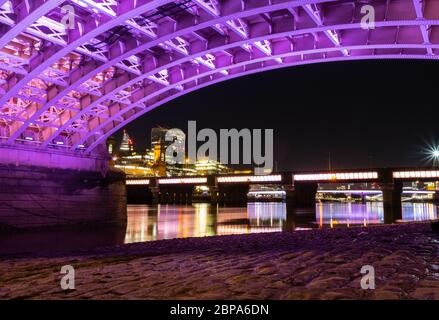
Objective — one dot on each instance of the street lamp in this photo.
(435, 156)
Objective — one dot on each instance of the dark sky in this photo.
(365, 113)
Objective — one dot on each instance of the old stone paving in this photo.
(317, 264)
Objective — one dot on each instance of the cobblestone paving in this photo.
(318, 264)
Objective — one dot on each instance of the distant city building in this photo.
(153, 161)
(207, 167)
(180, 170)
(127, 145)
(111, 145)
(158, 135)
(158, 142)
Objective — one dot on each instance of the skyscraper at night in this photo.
(127, 145)
(158, 138)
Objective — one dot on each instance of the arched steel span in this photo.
(70, 89)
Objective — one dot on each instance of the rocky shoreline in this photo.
(315, 264)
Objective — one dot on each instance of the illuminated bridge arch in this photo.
(69, 89)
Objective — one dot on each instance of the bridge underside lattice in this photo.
(68, 84)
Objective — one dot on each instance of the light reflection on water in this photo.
(147, 223)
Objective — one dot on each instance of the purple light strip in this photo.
(374, 191)
(266, 48)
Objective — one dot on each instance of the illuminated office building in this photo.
(207, 167)
(153, 161)
(158, 138)
(111, 145)
(127, 145)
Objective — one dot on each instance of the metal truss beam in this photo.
(221, 47)
(154, 104)
(80, 88)
(424, 28)
(52, 55)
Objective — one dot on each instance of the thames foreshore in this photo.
(315, 264)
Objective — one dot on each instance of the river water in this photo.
(150, 223)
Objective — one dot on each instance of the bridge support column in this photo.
(213, 190)
(363, 198)
(289, 195)
(234, 194)
(138, 194)
(305, 194)
(48, 189)
(392, 191)
(300, 200)
(155, 190)
(392, 201)
(155, 194)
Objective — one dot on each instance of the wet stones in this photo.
(293, 265)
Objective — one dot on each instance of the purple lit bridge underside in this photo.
(69, 89)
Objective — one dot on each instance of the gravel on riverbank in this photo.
(315, 264)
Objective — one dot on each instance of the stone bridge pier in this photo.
(392, 195)
(300, 198)
(50, 188)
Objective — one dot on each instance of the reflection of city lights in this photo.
(321, 217)
(349, 213)
(168, 221)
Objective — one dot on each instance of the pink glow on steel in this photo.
(148, 108)
(70, 89)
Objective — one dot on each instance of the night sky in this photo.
(365, 113)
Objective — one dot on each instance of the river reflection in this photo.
(332, 214)
(147, 223)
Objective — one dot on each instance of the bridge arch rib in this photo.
(71, 89)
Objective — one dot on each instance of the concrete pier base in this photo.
(305, 194)
(39, 197)
(392, 201)
(139, 194)
(33, 196)
(233, 195)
